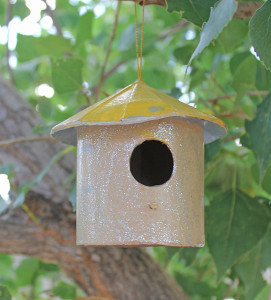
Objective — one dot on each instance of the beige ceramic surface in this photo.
(137, 103)
(114, 209)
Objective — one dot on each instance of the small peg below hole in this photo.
(153, 206)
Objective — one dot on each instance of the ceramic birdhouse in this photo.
(140, 167)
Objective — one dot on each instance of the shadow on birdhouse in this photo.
(140, 169)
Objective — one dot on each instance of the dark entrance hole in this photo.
(151, 163)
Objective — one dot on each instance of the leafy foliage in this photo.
(258, 136)
(225, 78)
(234, 235)
(217, 21)
(24, 277)
(4, 293)
(67, 74)
(260, 33)
(195, 11)
(253, 264)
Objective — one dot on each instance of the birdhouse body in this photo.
(113, 208)
(140, 171)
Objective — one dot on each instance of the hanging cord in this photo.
(139, 58)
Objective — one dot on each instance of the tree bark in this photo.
(106, 273)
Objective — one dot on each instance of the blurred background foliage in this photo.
(54, 53)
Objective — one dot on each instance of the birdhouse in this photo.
(140, 169)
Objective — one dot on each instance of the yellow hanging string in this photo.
(139, 59)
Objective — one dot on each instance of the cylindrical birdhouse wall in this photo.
(141, 184)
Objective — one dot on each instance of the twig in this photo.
(232, 138)
(109, 73)
(217, 84)
(232, 115)
(85, 93)
(149, 2)
(26, 139)
(8, 18)
(32, 216)
(171, 30)
(228, 96)
(114, 68)
(113, 32)
(50, 13)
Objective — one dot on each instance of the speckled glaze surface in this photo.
(114, 209)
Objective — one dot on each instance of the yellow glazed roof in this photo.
(137, 103)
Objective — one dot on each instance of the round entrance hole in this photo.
(151, 163)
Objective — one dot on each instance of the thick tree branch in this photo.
(111, 273)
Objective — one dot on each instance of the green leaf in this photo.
(2, 12)
(188, 255)
(193, 287)
(84, 32)
(235, 223)
(6, 169)
(45, 267)
(197, 77)
(127, 38)
(3, 205)
(36, 47)
(195, 11)
(211, 150)
(258, 135)
(4, 293)
(263, 78)
(5, 263)
(72, 196)
(266, 180)
(184, 53)
(237, 59)
(244, 77)
(233, 35)
(65, 290)
(219, 18)
(67, 74)
(27, 271)
(260, 33)
(20, 9)
(251, 267)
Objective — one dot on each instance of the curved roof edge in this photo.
(137, 103)
(68, 135)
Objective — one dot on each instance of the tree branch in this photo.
(26, 139)
(113, 32)
(171, 30)
(247, 9)
(51, 14)
(228, 96)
